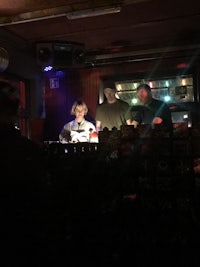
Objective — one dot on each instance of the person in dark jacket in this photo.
(22, 186)
(152, 111)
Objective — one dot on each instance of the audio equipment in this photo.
(60, 55)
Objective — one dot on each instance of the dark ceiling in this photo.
(143, 27)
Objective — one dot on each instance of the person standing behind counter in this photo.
(79, 129)
(153, 111)
(113, 112)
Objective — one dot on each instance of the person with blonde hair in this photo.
(79, 129)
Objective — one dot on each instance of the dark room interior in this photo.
(132, 196)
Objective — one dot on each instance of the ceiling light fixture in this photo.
(92, 12)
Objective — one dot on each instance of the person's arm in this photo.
(65, 134)
(98, 126)
(129, 118)
(137, 118)
(128, 115)
(164, 116)
(93, 127)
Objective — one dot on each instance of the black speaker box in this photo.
(60, 55)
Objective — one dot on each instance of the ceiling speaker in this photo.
(44, 54)
(60, 55)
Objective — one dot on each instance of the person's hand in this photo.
(65, 136)
(134, 123)
(157, 120)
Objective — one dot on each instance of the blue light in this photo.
(167, 98)
(47, 68)
(59, 73)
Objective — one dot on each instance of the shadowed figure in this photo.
(22, 185)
